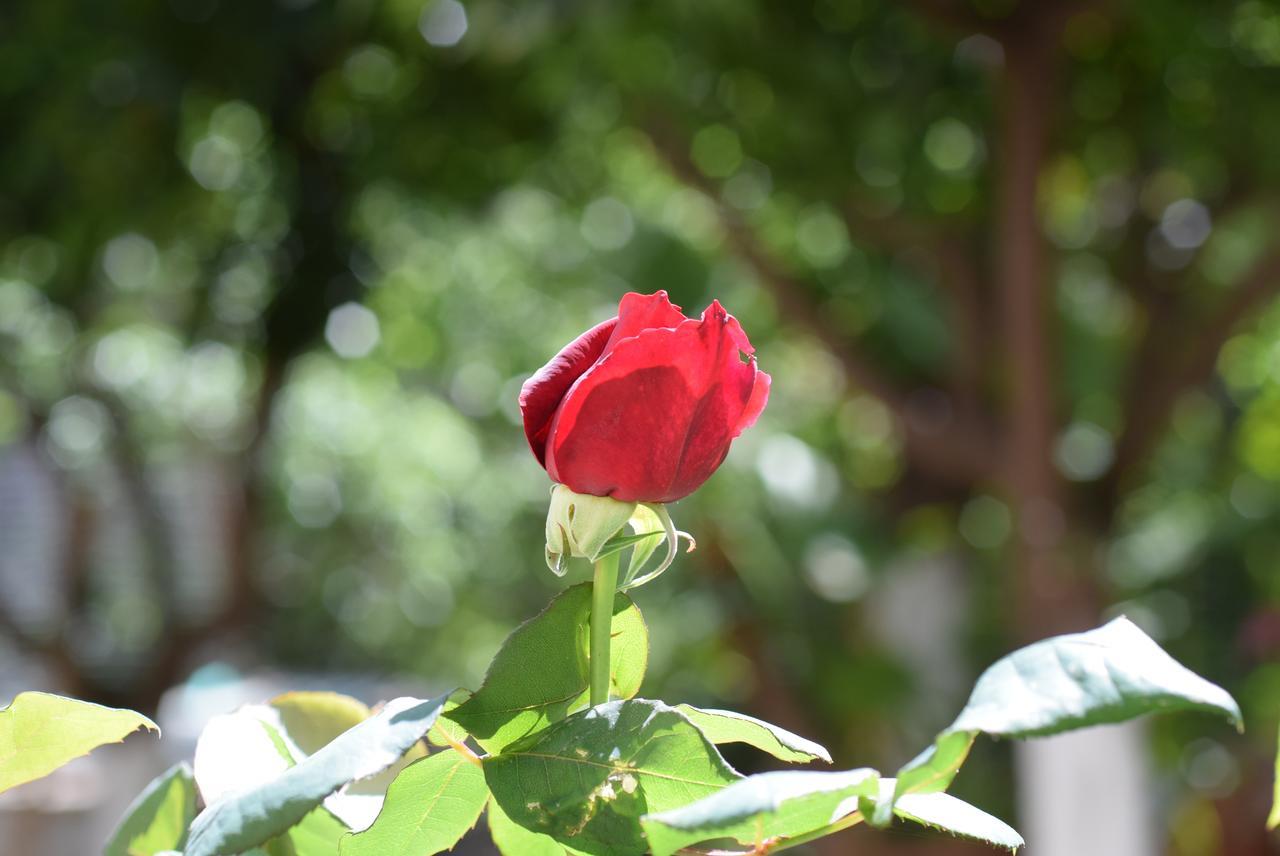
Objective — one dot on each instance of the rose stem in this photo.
(603, 588)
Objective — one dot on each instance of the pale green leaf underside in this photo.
(761, 810)
(40, 732)
(948, 814)
(248, 748)
(429, 807)
(586, 780)
(252, 816)
(157, 819)
(769, 809)
(1274, 820)
(540, 672)
(1107, 675)
(725, 726)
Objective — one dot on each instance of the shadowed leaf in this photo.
(586, 781)
(512, 839)
(540, 673)
(157, 820)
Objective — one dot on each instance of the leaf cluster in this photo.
(319, 774)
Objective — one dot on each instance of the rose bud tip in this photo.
(643, 407)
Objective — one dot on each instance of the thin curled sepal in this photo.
(667, 533)
(580, 525)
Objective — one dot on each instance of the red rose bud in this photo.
(643, 407)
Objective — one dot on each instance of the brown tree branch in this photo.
(154, 526)
(1162, 373)
(947, 259)
(956, 15)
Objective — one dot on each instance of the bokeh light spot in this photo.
(131, 261)
(607, 224)
(1084, 451)
(443, 23)
(352, 331)
(835, 569)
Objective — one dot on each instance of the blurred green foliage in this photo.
(271, 275)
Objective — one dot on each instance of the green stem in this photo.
(603, 588)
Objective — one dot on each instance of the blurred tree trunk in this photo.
(1046, 602)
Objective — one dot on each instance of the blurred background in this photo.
(271, 275)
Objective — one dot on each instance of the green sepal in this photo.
(579, 526)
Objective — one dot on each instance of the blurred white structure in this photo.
(1087, 792)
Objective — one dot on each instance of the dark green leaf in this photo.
(40, 732)
(725, 726)
(157, 819)
(587, 780)
(249, 817)
(540, 673)
(761, 810)
(429, 807)
(512, 839)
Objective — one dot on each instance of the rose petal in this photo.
(541, 394)
(755, 406)
(655, 417)
(735, 330)
(640, 312)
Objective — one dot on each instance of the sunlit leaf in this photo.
(588, 779)
(258, 742)
(40, 732)
(317, 834)
(446, 732)
(762, 810)
(312, 719)
(725, 726)
(540, 673)
(1107, 675)
(248, 748)
(240, 750)
(248, 817)
(429, 807)
(1273, 820)
(157, 819)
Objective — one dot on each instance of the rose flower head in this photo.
(643, 407)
